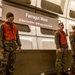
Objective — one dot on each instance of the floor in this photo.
(56, 74)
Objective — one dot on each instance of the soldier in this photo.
(9, 43)
(61, 50)
(72, 42)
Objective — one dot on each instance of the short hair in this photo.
(9, 14)
(60, 23)
(73, 27)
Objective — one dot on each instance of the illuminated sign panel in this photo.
(30, 18)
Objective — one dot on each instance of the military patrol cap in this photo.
(9, 14)
(73, 27)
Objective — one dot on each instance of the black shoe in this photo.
(64, 73)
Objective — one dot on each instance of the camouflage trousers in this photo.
(7, 64)
(60, 65)
(73, 61)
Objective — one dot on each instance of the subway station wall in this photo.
(40, 37)
(36, 31)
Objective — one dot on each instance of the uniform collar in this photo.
(9, 22)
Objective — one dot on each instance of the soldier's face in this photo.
(61, 26)
(10, 19)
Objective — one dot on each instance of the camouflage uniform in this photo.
(60, 56)
(7, 63)
(72, 42)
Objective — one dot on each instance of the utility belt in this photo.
(64, 45)
(9, 41)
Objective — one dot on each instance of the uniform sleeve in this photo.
(72, 38)
(18, 40)
(57, 39)
(72, 41)
(1, 36)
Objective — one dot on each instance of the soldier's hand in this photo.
(67, 49)
(19, 49)
(59, 50)
(2, 50)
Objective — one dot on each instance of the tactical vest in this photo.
(9, 34)
(62, 37)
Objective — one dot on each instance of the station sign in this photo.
(30, 18)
